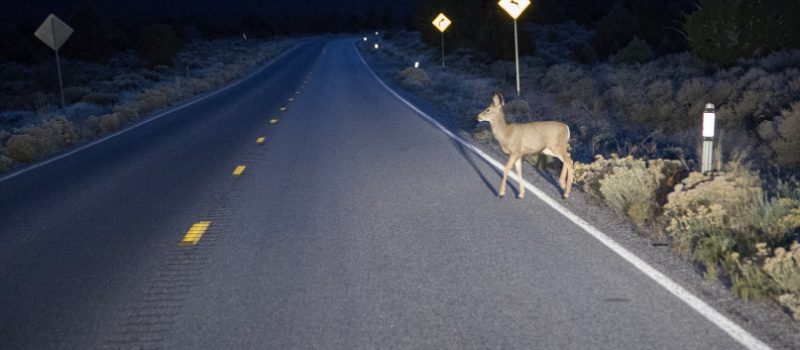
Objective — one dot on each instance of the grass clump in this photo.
(413, 77)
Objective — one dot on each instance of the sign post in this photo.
(54, 33)
(441, 22)
(515, 8)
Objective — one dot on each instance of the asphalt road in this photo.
(356, 225)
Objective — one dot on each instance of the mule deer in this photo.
(518, 140)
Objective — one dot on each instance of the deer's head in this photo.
(494, 111)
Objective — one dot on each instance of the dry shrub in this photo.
(413, 77)
(74, 94)
(784, 268)
(580, 94)
(748, 279)
(785, 142)
(100, 98)
(158, 97)
(704, 203)
(792, 303)
(775, 219)
(36, 142)
(517, 110)
(631, 187)
(5, 162)
(104, 123)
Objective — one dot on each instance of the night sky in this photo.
(14, 11)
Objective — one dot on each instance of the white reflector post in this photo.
(709, 119)
(709, 116)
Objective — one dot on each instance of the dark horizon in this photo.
(20, 13)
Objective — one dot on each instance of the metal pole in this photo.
(516, 52)
(442, 49)
(58, 65)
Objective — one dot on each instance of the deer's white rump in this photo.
(517, 140)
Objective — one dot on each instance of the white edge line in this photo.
(146, 121)
(734, 330)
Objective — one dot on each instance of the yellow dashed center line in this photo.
(273, 121)
(239, 170)
(195, 233)
(260, 140)
(283, 108)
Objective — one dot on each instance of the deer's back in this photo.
(535, 136)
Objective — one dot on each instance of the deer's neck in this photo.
(500, 129)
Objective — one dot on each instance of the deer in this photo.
(518, 140)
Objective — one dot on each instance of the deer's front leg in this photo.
(511, 160)
(518, 167)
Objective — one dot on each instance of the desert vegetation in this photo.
(102, 98)
(635, 109)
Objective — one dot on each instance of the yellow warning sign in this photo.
(441, 22)
(514, 7)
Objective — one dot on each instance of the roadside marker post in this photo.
(709, 119)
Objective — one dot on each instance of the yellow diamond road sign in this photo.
(53, 32)
(441, 22)
(514, 7)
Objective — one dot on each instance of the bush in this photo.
(784, 268)
(786, 143)
(25, 148)
(100, 98)
(413, 77)
(630, 187)
(158, 44)
(36, 142)
(792, 303)
(5, 162)
(517, 110)
(706, 203)
(74, 94)
(637, 51)
(104, 123)
(723, 31)
(748, 279)
(615, 30)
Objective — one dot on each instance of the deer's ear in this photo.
(497, 99)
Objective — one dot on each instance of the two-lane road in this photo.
(356, 225)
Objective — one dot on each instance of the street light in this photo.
(376, 46)
(416, 64)
(709, 118)
(514, 9)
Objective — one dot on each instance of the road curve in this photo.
(356, 225)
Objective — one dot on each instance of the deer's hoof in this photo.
(501, 195)
(522, 196)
